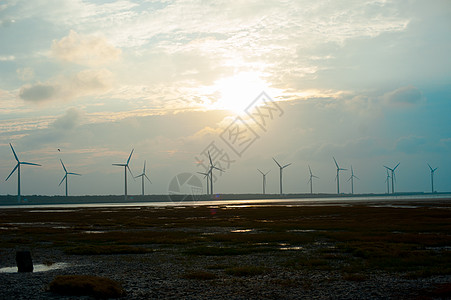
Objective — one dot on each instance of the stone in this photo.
(24, 262)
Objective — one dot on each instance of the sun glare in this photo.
(237, 92)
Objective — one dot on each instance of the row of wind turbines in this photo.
(337, 177)
(143, 175)
(209, 175)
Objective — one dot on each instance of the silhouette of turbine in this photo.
(206, 175)
(392, 177)
(264, 180)
(387, 180)
(280, 173)
(352, 180)
(65, 175)
(125, 173)
(337, 178)
(311, 179)
(19, 163)
(210, 171)
(432, 177)
(143, 175)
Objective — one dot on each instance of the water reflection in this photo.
(37, 268)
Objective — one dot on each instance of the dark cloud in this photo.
(37, 93)
(404, 96)
(68, 121)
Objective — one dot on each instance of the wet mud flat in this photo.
(329, 251)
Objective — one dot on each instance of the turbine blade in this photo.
(12, 172)
(430, 167)
(267, 172)
(286, 165)
(144, 169)
(31, 164)
(261, 172)
(140, 175)
(388, 168)
(310, 170)
(69, 173)
(128, 160)
(14, 152)
(63, 165)
(356, 177)
(120, 165)
(130, 171)
(147, 178)
(396, 166)
(315, 176)
(277, 162)
(336, 162)
(62, 179)
(209, 157)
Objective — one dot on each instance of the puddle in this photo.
(53, 210)
(37, 268)
(291, 248)
(94, 231)
(302, 230)
(241, 230)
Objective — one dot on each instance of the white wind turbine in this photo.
(352, 180)
(264, 180)
(210, 171)
(18, 171)
(311, 179)
(280, 173)
(392, 177)
(125, 173)
(337, 178)
(432, 177)
(143, 175)
(65, 175)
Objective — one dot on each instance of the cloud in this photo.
(86, 82)
(68, 121)
(85, 50)
(404, 96)
(38, 92)
(25, 73)
(410, 144)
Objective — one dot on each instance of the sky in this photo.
(366, 82)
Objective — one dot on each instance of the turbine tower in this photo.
(432, 177)
(206, 175)
(143, 175)
(210, 171)
(392, 177)
(387, 180)
(18, 171)
(352, 180)
(125, 173)
(65, 175)
(280, 173)
(338, 175)
(311, 179)
(264, 180)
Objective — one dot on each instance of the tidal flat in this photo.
(383, 250)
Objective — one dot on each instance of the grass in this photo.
(86, 285)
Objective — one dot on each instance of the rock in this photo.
(24, 262)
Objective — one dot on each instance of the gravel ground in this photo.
(160, 275)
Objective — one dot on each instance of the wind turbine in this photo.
(311, 179)
(387, 180)
(264, 180)
(392, 177)
(125, 169)
(18, 171)
(338, 175)
(432, 177)
(143, 175)
(280, 172)
(210, 171)
(352, 180)
(206, 175)
(65, 175)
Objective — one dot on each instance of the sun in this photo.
(237, 92)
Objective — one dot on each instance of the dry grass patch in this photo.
(86, 285)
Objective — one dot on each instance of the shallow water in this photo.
(37, 268)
